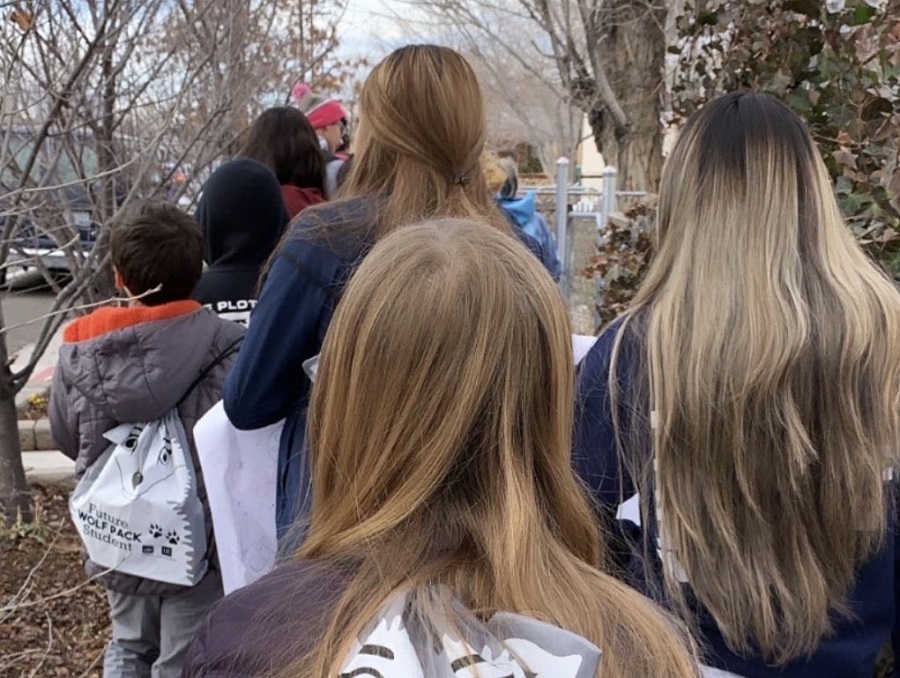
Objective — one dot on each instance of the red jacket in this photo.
(297, 199)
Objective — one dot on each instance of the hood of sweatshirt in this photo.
(135, 363)
(522, 210)
(242, 214)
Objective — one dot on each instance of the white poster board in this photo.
(240, 469)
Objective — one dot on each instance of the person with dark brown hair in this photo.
(283, 140)
(122, 365)
(157, 253)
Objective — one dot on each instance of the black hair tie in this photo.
(460, 178)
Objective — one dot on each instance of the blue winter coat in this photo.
(523, 213)
(850, 653)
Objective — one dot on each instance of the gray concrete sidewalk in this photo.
(35, 435)
(48, 466)
(39, 382)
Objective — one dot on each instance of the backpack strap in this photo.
(218, 360)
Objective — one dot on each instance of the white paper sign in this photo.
(581, 345)
(240, 469)
(630, 509)
(709, 672)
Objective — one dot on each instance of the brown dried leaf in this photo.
(845, 158)
(24, 20)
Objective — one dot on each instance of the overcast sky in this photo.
(368, 27)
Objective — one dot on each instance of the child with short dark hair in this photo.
(157, 245)
(118, 365)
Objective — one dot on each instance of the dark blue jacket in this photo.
(850, 653)
(288, 326)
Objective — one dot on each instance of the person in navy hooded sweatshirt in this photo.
(749, 397)
(243, 217)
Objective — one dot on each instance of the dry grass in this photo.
(53, 622)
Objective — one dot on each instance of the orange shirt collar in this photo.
(110, 318)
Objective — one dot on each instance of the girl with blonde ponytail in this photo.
(751, 398)
(440, 447)
(421, 134)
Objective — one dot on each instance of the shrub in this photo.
(622, 257)
(837, 64)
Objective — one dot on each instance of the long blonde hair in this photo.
(771, 357)
(421, 133)
(440, 432)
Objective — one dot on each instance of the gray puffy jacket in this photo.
(125, 365)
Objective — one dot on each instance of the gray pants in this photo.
(152, 634)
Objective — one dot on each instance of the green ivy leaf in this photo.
(799, 102)
(863, 14)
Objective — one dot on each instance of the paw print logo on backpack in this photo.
(155, 531)
(172, 537)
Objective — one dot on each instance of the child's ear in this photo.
(120, 284)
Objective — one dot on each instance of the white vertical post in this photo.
(562, 217)
(608, 204)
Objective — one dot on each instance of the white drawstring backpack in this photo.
(439, 638)
(137, 508)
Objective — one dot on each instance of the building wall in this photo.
(592, 162)
(589, 158)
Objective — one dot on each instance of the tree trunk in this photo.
(15, 496)
(633, 52)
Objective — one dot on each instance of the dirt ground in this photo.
(53, 623)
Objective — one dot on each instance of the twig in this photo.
(81, 307)
(23, 591)
(94, 663)
(10, 660)
(56, 596)
(34, 671)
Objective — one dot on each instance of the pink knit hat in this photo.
(320, 111)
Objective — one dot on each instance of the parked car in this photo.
(55, 234)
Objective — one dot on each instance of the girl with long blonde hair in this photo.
(440, 442)
(421, 134)
(751, 398)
